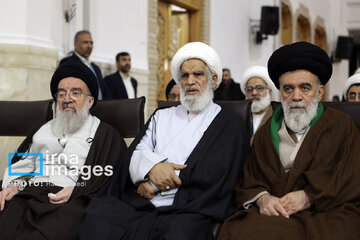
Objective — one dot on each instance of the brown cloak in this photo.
(267, 116)
(30, 215)
(327, 168)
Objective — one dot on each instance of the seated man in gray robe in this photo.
(301, 178)
(257, 86)
(45, 198)
(182, 168)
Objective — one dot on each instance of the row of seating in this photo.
(21, 118)
(243, 108)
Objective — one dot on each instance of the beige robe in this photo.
(266, 117)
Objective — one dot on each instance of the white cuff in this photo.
(141, 163)
(154, 186)
(248, 203)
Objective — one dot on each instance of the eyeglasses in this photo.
(259, 88)
(74, 94)
(352, 95)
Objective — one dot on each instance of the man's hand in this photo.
(271, 206)
(294, 202)
(62, 196)
(164, 177)
(146, 190)
(7, 194)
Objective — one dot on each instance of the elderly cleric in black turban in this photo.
(77, 70)
(300, 55)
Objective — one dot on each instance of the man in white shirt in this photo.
(257, 85)
(179, 178)
(120, 85)
(39, 196)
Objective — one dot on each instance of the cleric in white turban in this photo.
(257, 86)
(177, 181)
(200, 51)
(351, 90)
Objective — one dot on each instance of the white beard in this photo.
(260, 105)
(298, 120)
(196, 103)
(67, 122)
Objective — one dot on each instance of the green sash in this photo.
(276, 121)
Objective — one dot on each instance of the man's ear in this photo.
(270, 92)
(91, 101)
(321, 92)
(214, 79)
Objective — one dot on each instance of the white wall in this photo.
(231, 36)
(28, 22)
(116, 25)
(12, 25)
(119, 25)
(230, 33)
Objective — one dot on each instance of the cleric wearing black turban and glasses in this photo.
(301, 178)
(51, 205)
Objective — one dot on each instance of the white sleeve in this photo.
(25, 165)
(248, 203)
(144, 158)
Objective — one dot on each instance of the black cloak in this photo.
(206, 195)
(30, 215)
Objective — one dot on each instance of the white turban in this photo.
(260, 72)
(354, 79)
(200, 51)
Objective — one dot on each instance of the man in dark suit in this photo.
(228, 89)
(83, 46)
(120, 84)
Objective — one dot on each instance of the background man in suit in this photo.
(120, 84)
(83, 46)
(228, 89)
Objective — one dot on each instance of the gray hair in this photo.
(76, 38)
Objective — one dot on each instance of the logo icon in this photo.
(40, 155)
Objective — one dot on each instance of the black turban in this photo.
(300, 55)
(170, 85)
(75, 69)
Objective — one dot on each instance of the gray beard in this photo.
(67, 122)
(298, 120)
(262, 104)
(196, 103)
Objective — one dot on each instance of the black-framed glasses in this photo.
(258, 88)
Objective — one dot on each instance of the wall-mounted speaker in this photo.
(269, 24)
(344, 47)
